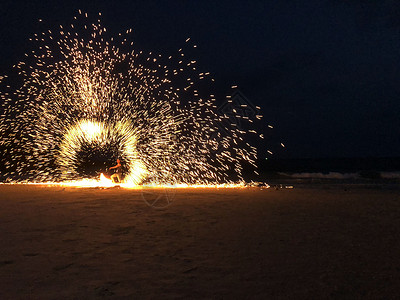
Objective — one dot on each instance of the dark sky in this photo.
(326, 73)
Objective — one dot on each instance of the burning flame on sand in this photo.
(104, 182)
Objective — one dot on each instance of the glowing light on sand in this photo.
(104, 182)
(88, 98)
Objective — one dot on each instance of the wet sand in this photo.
(325, 243)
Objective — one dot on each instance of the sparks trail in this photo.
(88, 98)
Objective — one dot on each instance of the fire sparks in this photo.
(88, 99)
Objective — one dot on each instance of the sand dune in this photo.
(70, 243)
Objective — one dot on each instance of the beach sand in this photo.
(89, 243)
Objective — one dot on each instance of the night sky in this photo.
(326, 73)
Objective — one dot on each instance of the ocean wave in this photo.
(330, 175)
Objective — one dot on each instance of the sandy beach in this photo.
(301, 243)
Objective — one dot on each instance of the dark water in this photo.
(374, 173)
(342, 165)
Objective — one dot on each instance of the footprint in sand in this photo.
(6, 262)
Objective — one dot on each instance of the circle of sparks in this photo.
(87, 92)
(97, 135)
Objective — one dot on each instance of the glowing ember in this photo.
(85, 102)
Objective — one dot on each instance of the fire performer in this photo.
(118, 173)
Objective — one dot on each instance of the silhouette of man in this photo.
(118, 173)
